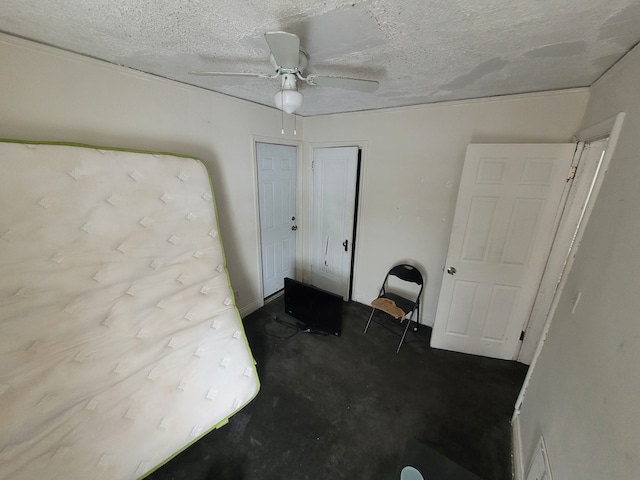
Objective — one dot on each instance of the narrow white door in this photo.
(503, 228)
(334, 196)
(277, 199)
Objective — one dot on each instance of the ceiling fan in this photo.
(289, 61)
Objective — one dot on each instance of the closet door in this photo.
(335, 173)
(277, 198)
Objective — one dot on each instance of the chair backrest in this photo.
(407, 273)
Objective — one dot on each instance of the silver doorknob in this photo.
(451, 270)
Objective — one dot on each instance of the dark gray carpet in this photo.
(344, 407)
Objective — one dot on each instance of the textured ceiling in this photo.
(420, 51)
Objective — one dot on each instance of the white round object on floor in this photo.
(410, 473)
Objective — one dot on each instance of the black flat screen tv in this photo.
(320, 311)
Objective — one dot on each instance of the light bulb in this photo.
(288, 100)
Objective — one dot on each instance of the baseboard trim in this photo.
(516, 446)
(250, 308)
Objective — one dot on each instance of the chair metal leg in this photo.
(370, 317)
(405, 330)
(404, 334)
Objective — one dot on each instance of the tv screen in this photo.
(318, 309)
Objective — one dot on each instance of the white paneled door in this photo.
(334, 196)
(504, 224)
(277, 198)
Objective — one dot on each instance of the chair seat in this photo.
(404, 304)
(389, 306)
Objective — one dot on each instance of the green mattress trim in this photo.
(97, 147)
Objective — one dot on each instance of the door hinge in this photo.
(522, 336)
(572, 173)
(313, 164)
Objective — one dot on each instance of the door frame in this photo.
(308, 207)
(258, 239)
(549, 288)
(611, 128)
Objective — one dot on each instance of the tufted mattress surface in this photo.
(120, 343)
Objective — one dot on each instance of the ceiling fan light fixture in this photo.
(288, 100)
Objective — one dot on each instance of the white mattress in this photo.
(120, 342)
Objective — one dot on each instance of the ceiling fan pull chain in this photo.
(295, 124)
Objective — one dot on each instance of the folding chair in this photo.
(396, 305)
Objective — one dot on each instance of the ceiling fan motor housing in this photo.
(303, 61)
(289, 81)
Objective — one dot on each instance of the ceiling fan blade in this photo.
(285, 48)
(356, 84)
(231, 74)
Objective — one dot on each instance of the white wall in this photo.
(411, 169)
(585, 388)
(50, 95)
